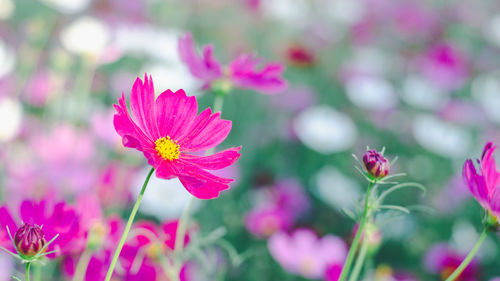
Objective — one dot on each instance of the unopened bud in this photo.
(376, 165)
(29, 240)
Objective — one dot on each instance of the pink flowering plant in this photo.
(212, 140)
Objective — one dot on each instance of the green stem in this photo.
(355, 242)
(127, 228)
(469, 257)
(360, 260)
(28, 265)
(81, 266)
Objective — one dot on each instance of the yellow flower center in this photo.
(155, 250)
(167, 149)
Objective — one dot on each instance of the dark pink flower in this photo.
(246, 71)
(59, 218)
(442, 260)
(110, 232)
(169, 130)
(485, 183)
(147, 242)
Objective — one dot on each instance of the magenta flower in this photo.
(168, 131)
(58, 218)
(485, 184)
(304, 254)
(243, 72)
(140, 255)
(442, 260)
(110, 231)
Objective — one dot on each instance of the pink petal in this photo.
(175, 112)
(133, 135)
(207, 131)
(495, 203)
(206, 68)
(201, 183)
(6, 221)
(142, 100)
(475, 182)
(488, 168)
(216, 161)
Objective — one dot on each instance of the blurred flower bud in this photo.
(29, 240)
(376, 165)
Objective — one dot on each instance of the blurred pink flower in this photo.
(243, 72)
(205, 68)
(39, 88)
(485, 185)
(147, 242)
(263, 222)
(168, 130)
(304, 254)
(445, 66)
(442, 260)
(108, 231)
(102, 126)
(58, 218)
(284, 203)
(413, 18)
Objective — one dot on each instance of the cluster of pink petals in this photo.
(305, 254)
(55, 218)
(285, 202)
(147, 238)
(442, 260)
(485, 183)
(175, 115)
(101, 258)
(243, 72)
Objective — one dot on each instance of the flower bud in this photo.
(376, 165)
(29, 240)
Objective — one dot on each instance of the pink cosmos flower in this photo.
(148, 241)
(243, 72)
(58, 218)
(442, 260)
(485, 183)
(168, 131)
(304, 254)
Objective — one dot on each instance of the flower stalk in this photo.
(28, 265)
(127, 228)
(469, 257)
(357, 238)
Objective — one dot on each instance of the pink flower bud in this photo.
(376, 165)
(29, 240)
